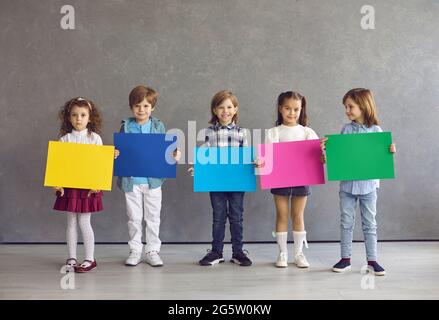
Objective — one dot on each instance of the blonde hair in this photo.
(217, 99)
(364, 98)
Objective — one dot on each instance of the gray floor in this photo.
(33, 272)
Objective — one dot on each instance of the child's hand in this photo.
(258, 163)
(176, 155)
(323, 147)
(116, 153)
(90, 192)
(392, 148)
(59, 189)
(323, 143)
(191, 169)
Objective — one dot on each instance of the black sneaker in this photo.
(241, 258)
(211, 258)
(342, 266)
(376, 268)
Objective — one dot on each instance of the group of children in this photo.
(81, 123)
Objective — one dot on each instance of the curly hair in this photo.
(95, 124)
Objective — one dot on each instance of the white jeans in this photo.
(144, 203)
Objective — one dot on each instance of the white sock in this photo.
(281, 239)
(71, 234)
(87, 235)
(299, 239)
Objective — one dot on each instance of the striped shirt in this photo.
(359, 186)
(225, 136)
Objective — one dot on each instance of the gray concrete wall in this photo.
(188, 50)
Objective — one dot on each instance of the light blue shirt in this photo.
(359, 186)
(134, 127)
(126, 183)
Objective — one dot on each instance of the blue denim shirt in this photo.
(126, 183)
(359, 187)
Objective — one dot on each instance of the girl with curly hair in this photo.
(80, 123)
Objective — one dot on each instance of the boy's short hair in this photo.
(141, 92)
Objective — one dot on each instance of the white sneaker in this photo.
(134, 258)
(153, 259)
(300, 260)
(282, 260)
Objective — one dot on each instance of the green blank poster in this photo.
(359, 156)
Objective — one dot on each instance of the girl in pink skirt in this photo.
(80, 123)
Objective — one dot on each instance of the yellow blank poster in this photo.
(75, 165)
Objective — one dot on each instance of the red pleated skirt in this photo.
(76, 200)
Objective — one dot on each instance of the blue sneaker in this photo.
(376, 268)
(211, 258)
(342, 266)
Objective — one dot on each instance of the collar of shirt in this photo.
(230, 126)
(297, 126)
(79, 133)
(357, 125)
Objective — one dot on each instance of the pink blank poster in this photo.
(295, 163)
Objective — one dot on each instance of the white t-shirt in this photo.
(285, 133)
(82, 137)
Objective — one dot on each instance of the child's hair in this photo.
(366, 102)
(141, 92)
(303, 119)
(217, 99)
(95, 123)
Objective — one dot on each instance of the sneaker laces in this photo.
(283, 255)
(135, 253)
(242, 254)
(152, 253)
(211, 253)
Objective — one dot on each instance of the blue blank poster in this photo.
(145, 155)
(224, 169)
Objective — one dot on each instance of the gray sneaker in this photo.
(134, 259)
(153, 259)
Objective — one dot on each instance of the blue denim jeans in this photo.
(348, 204)
(227, 205)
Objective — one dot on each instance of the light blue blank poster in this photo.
(222, 169)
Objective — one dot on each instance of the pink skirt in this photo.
(76, 200)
